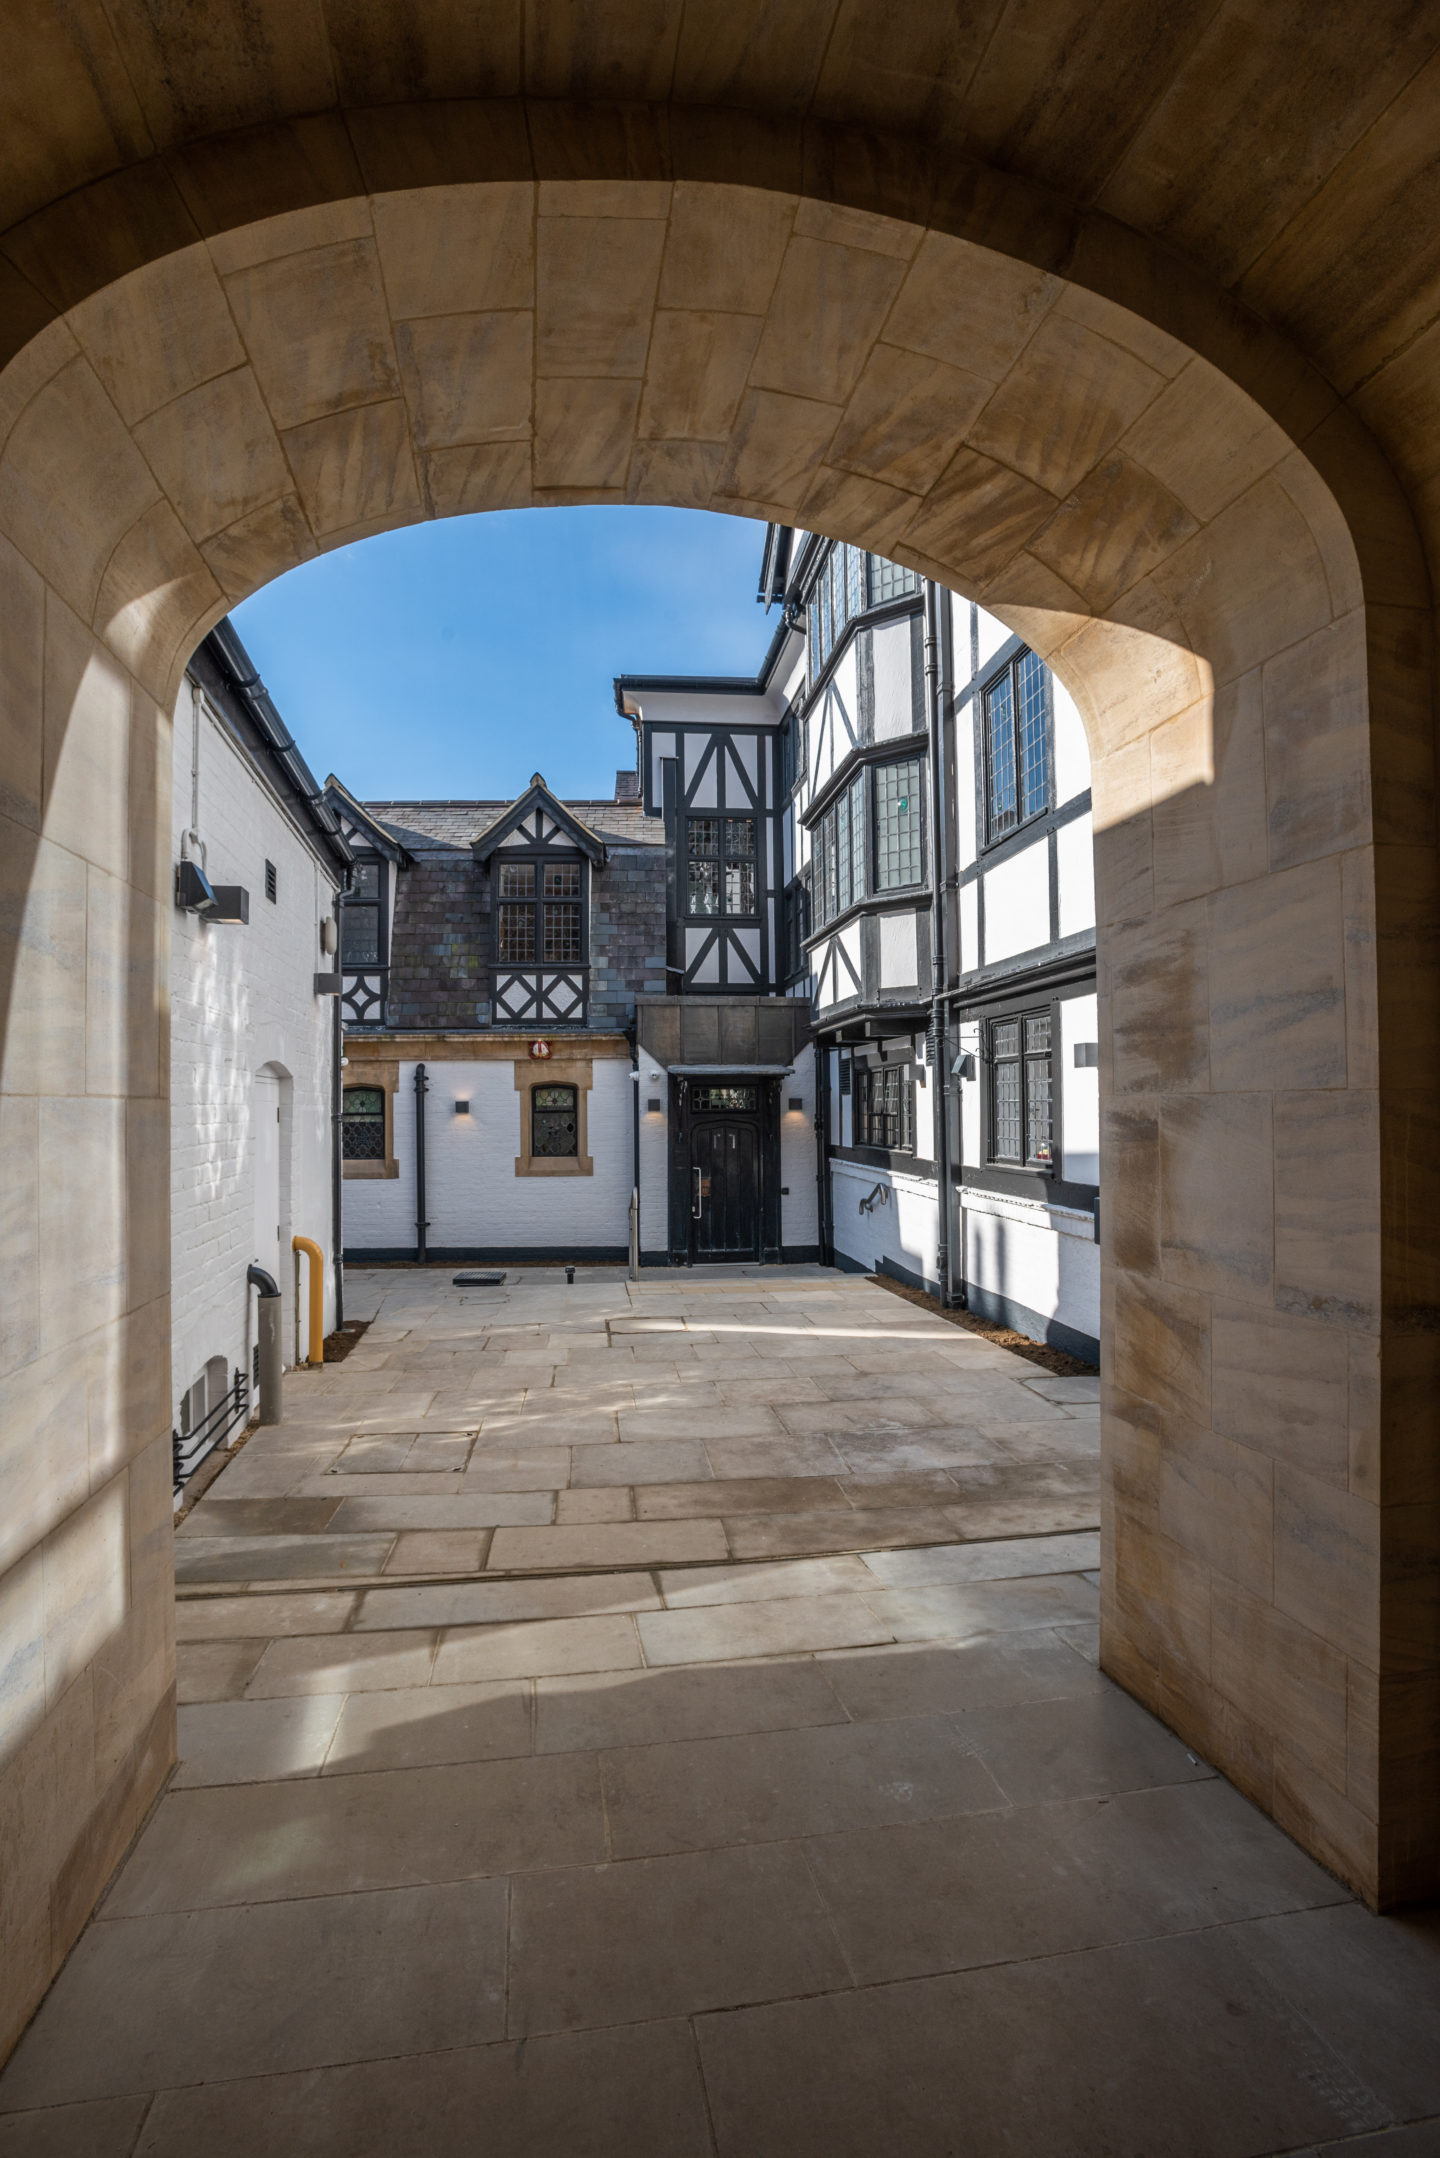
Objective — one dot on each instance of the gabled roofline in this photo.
(383, 841)
(536, 795)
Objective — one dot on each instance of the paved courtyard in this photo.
(666, 1720)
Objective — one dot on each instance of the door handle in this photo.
(695, 1204)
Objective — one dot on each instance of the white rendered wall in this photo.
(655, 1085)
(1043, 1258)
(1072, 750)
(1017, 903)
(474, 1200)
(800, 1204)
(242, 998)
(894, 677)
(902, 1226)
(1079, 1093)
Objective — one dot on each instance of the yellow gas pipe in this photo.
(316, 1257)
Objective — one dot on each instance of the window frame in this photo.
(369, 1116)
(554, 1086)
(863, 1110)
(890, 764)
(725, 857)
(995, 836)
(1021, 1059)
(840, 595)
(381, 905)
(538, 860)
(854, 799)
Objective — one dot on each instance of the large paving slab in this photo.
(734, 1806)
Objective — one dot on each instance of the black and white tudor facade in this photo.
(892, 823)
(818, 982)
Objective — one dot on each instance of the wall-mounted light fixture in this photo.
(795, 1103)
(1087, 1056)
(462, 1108)
(652, 1105)
(964, 1065)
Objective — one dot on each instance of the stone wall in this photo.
(219, 375)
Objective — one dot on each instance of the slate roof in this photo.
(442, 827)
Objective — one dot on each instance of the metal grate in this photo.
(190, 1448)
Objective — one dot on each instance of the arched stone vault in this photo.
(1174, 507)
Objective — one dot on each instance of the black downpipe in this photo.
(939, 890)
(337, 1112)
(632, 1035)
(822, 1152)
(422, 1088)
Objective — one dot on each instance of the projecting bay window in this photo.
(1017, 746)
(1021, 1115)
(898, 855)
(848, 583)
(839, 853)
(883, 1108)
(541, 918)
(720, 866)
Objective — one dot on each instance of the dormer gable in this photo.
(538, 820)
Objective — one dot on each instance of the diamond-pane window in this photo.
(554, 1120)
(362, 1123)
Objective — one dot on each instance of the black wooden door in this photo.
(725, 1188)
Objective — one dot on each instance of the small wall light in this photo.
(795, 1102)
(1087, 1056)
(652, 1105)
(462, 1108)
(964, 1065)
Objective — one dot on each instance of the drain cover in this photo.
(477, 1281)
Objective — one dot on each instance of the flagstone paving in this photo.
(667, 1720)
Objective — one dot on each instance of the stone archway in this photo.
(1237, 600)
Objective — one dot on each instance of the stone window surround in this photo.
(554, 1070)
(364, 1072)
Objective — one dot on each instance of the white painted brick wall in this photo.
(474, 1199)
(242, 997)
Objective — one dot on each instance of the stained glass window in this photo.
(554, 1120)
(362, 1123)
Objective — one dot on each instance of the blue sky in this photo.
(452, 659)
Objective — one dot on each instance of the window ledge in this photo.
(554, 1165)
(369, 1168)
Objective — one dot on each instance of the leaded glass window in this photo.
(554, 1120)
(703, 866)
(1017, 746)
(360, 918)
(715, 1098)
(889, 580)
(362, 1123)
(1021, 1125)
(839, 847)
(882, 1107)
(541, 914)
(897, 825)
